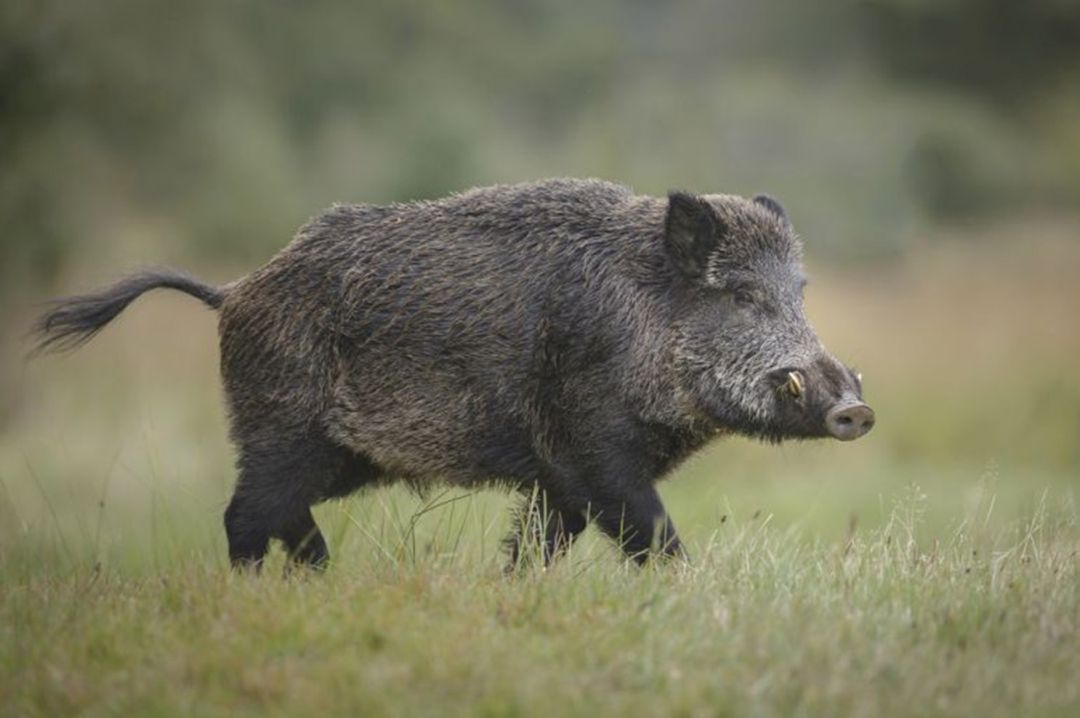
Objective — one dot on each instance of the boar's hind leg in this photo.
(636, 519)
(541, 525)
(304, 542)
(248, 535)
(279, 481)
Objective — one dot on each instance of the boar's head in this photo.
(745, 355)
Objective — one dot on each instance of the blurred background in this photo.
(928, 152)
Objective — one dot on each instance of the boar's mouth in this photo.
(807, 406)
(787, 383)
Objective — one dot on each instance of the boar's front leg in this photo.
(545, 524)
(635, 518)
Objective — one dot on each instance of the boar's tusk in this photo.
(794, 383)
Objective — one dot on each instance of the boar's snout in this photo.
(849, 420)
(822, 398)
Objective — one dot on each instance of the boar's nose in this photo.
(849, 421)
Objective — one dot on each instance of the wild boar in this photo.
(567, 337)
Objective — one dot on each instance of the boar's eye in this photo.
(743, 297)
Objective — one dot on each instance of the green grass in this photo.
(416, 618)
(929, 569)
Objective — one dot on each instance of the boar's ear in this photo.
(774, 207)
(692, 231)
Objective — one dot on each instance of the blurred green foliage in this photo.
(207, 130)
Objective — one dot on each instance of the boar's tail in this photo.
(73, 321)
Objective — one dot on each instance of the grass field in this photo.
(930, 569)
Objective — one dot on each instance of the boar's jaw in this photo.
(824, 399)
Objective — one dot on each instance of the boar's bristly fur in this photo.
(567, 338)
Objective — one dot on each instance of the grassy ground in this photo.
(930, 569)
(767, 621)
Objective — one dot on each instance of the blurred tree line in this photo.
(146, 130)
